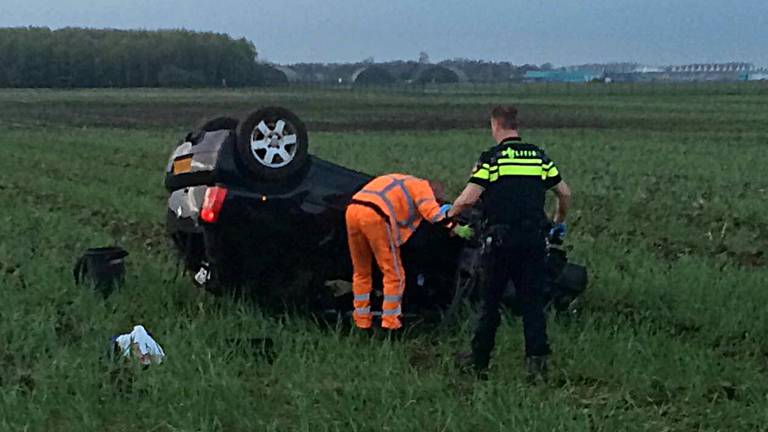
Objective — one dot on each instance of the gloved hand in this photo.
(464, 231)
(445, 208)
(558, 231)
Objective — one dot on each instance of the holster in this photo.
(525, 234)
(497, 237)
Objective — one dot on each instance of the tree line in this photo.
(76, 57)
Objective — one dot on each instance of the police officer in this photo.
(512, 178)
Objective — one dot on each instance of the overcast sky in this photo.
(562, 32)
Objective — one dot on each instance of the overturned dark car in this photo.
(252, 212)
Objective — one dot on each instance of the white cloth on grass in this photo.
(141, 344)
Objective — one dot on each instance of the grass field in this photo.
(670, 217)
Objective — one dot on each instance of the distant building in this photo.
(711, 67)
(734, 71)
(372, 75)
(604, 68)
(687, 73)
(439, 74)
(271, 74)
(648, 69)
(291, 75)
(562, 76)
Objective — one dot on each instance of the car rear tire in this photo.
(272, 143)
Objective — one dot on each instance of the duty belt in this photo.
(506, 235)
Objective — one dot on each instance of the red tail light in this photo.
(214, 201)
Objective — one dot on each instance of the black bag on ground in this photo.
(103, 268)
(565, 281)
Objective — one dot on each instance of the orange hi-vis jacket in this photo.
(405, 199)
(380, 218)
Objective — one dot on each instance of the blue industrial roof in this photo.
(563, 76)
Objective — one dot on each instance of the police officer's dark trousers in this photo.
(518, 255)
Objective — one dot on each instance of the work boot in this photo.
(393, 335)
(465, 363)
(536, 367)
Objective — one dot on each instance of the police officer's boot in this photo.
(467, 364)
(536, 367)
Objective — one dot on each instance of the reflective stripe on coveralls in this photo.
(382, 194)
(390, 307)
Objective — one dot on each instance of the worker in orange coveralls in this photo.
(380, 219)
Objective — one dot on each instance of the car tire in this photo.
(272, 143)
(468, 280)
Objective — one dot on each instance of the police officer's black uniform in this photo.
(515, 176)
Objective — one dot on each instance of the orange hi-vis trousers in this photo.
(370, 236)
